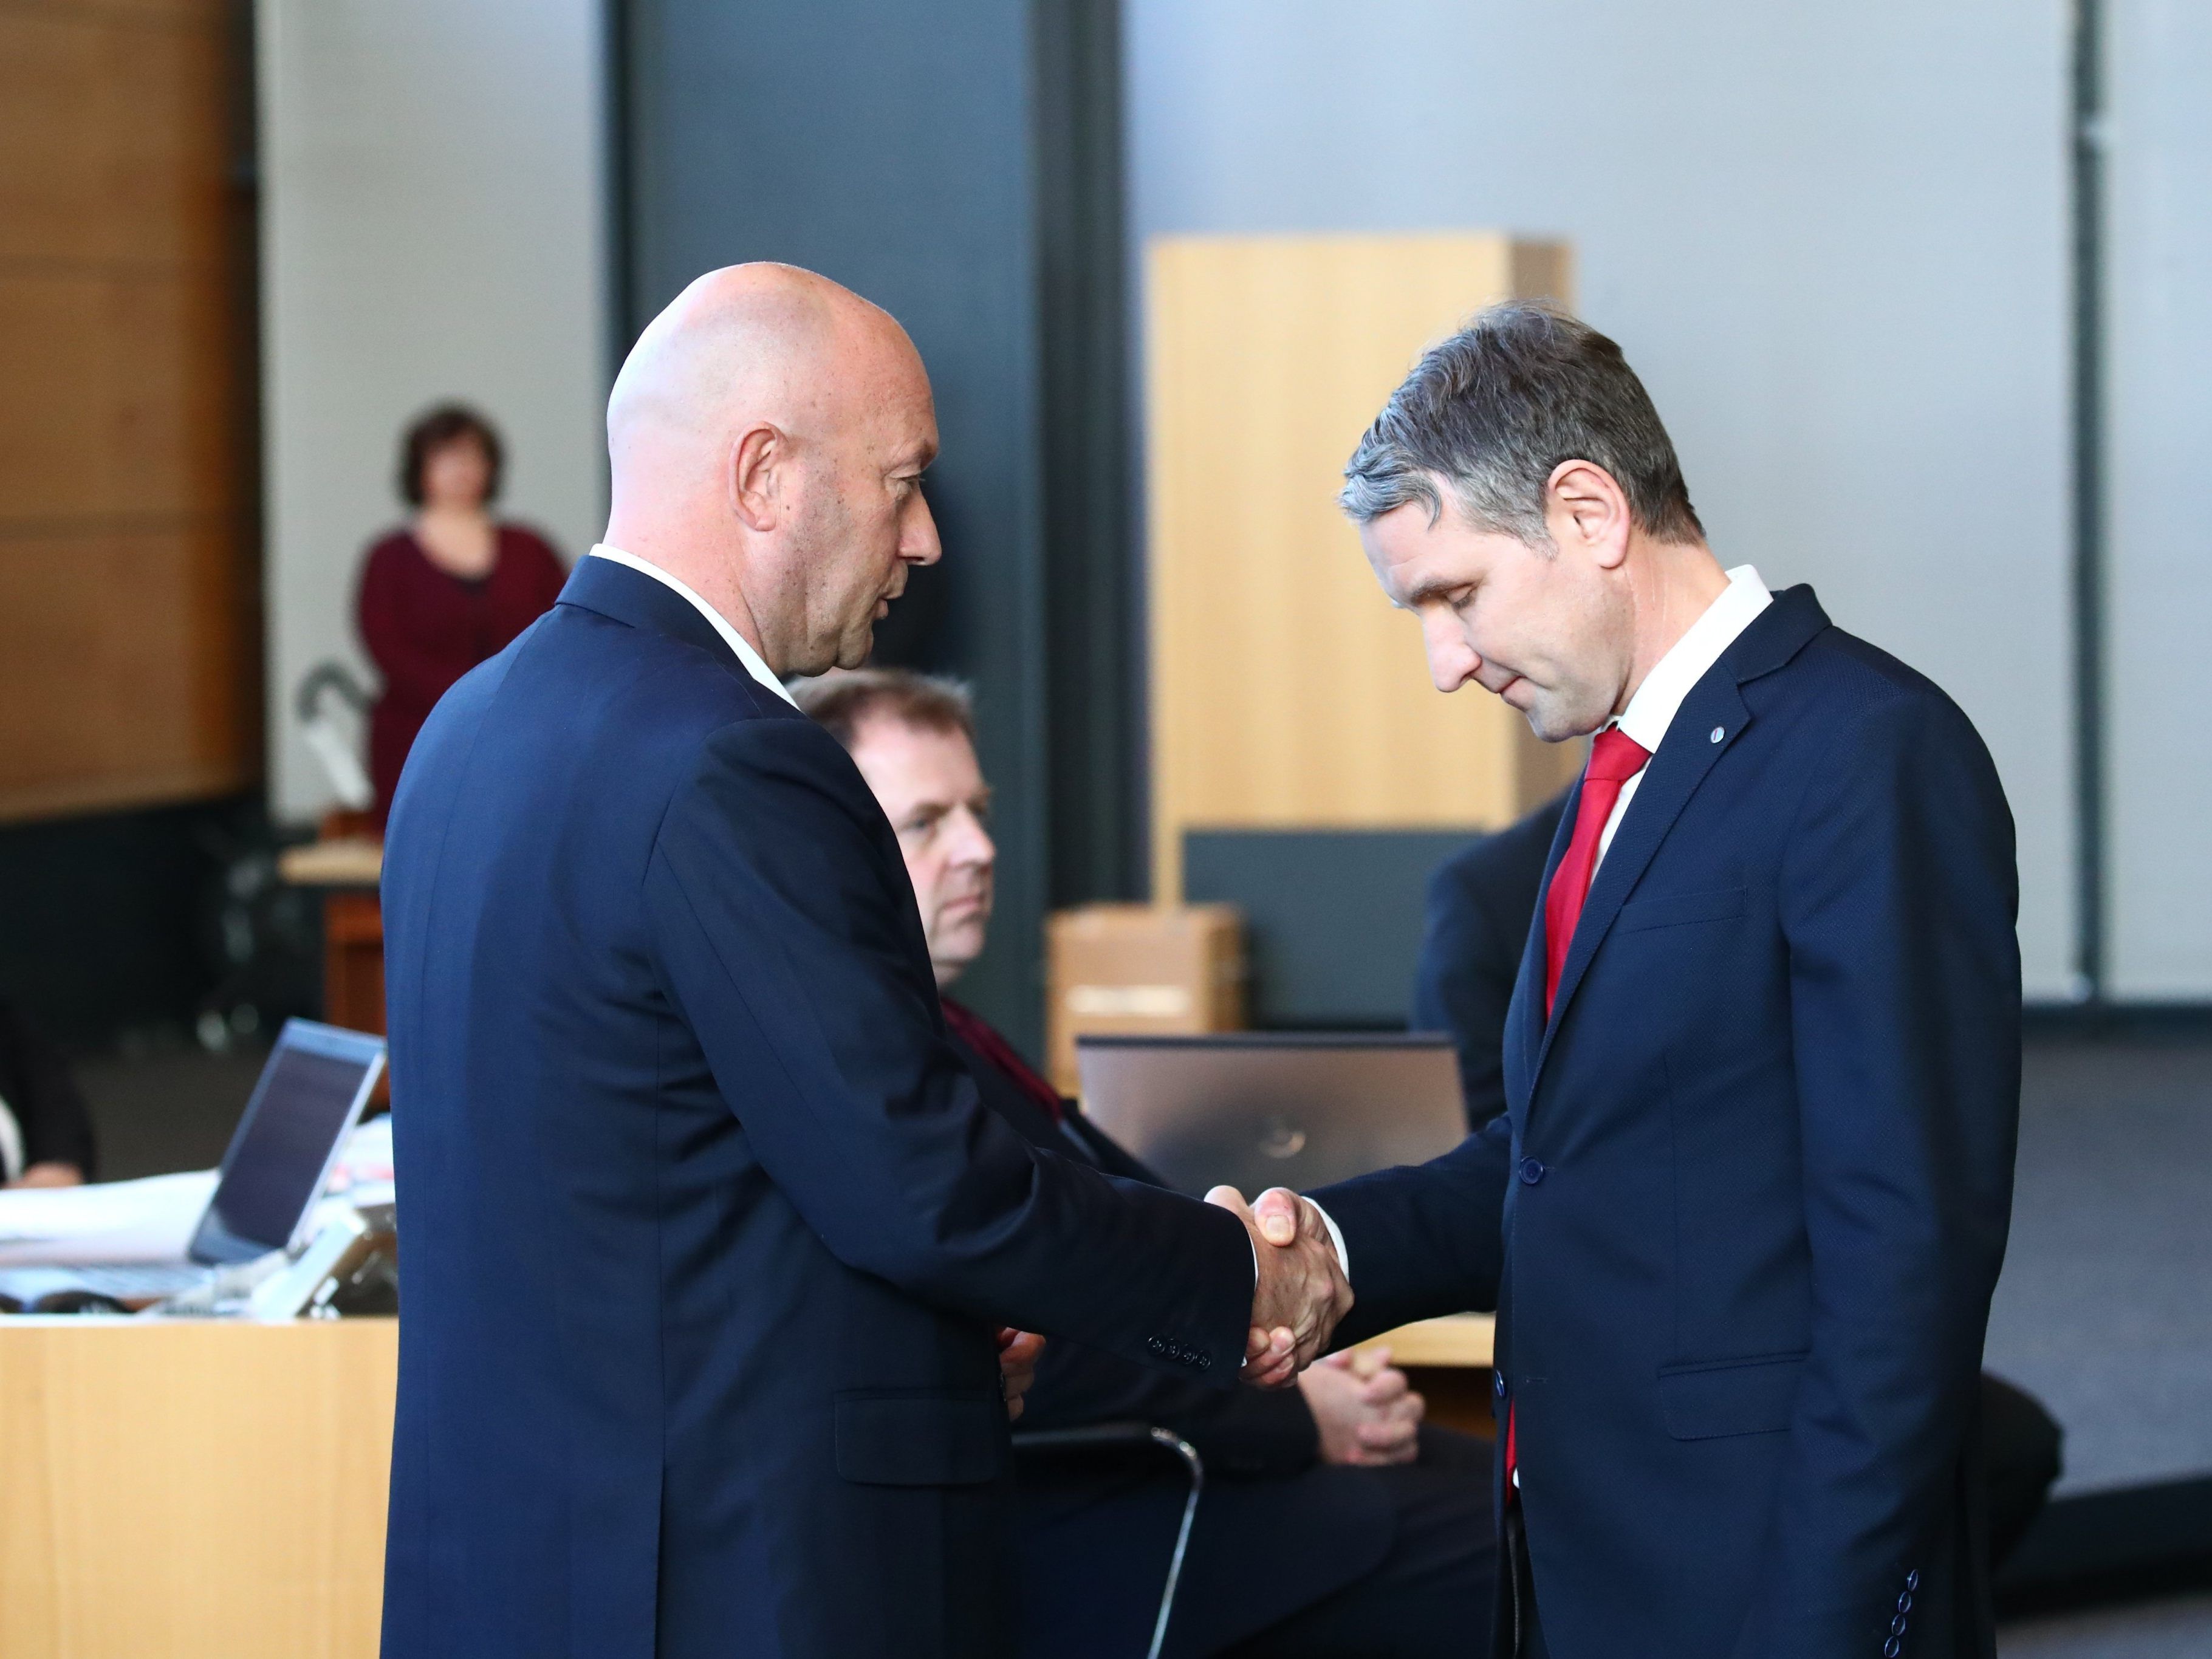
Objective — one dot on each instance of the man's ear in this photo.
(1585, 504)
(757, 462)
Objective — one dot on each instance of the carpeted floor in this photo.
(165, 1103)
(2104, 1309)
(2180, 1629)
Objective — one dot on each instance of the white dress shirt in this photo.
(737, 641)
(1650, 711)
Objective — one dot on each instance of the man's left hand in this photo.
(1364, 1411)
(1018, 1351)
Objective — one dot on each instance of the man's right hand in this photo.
(1301, 1293)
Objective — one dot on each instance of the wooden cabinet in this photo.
(1285, 691)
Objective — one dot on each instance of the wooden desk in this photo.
(193, 1491)
(1462, 1342)
(217, 1491)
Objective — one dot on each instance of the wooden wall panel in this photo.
(108, 148)
(1286, 691)
(119, 654)
(129, 657)
(120, 401)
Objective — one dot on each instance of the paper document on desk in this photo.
(110, 1221)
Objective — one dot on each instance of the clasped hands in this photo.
(1301, 1293)
(1298, 1299)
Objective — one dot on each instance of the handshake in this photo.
(1301, 1292)
(1298, 1299)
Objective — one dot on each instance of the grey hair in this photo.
(1492, 411)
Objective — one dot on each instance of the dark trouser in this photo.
(2021, 1456)
(1431, 1594)
(1521, 1588)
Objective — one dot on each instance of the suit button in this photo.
(1913, 1579)
(1904, 1602)
(1156, 1345)
(1531, 1172)
(1497, 1384)
(1892, 1648)
(1206, 1362)
(1897, 1626)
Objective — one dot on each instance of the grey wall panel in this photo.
(2159, 428)
(1832, 238)
(1333, 918)
(433, 214)
(955, 164)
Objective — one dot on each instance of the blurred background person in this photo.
(1334, 1520)
(450, 589)
(1481, 901)
(46, 1132)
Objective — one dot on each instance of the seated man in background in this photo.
(45, 1133)
(1334, 1521)
(1482, 901)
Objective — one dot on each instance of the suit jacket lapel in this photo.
(1686, 754)
(1524, 1017)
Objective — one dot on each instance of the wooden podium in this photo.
(214, 1489)
(193, 1490)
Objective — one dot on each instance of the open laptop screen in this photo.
(1259, 1110)
(310, 1095)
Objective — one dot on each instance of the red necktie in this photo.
(1615, 758)
(972, 1029)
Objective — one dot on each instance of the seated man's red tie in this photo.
(1615, 758)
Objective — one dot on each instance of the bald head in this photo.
(768, 434)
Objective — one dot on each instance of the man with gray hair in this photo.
(1742, 1216)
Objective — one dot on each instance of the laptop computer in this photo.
(308, 1098)
(1258, 1108)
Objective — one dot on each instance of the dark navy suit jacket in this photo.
(1743, 1218)
(707, 1231)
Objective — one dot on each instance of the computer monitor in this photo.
(309, 1096)
(1260, 1109)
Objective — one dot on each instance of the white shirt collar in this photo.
(737, 641)
(1652, 709)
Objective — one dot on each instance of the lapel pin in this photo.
(1718, 734)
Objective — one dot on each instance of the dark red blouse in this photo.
(424, 629)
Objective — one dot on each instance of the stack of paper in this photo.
(111, 1221)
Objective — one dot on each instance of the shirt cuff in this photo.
(1335, 1237)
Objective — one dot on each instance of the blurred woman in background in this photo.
(448, 590)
